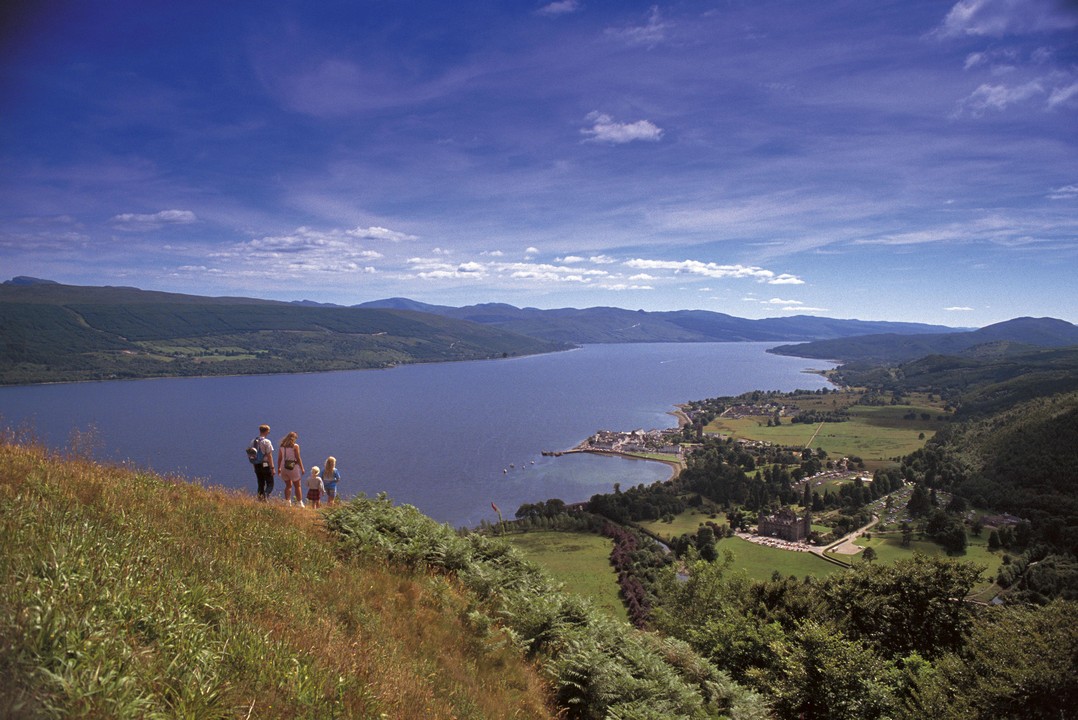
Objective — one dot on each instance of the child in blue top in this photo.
(330, 477)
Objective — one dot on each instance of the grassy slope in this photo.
(124, 595)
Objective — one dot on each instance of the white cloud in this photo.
(958, 308)
(1063, 95)
(641, 277)
(492, 253)
(619, 287)
(649, 34)
(1067, 192)
(804, 309)
(152, 221)
(997, 97)
(602, 259)
(380, 233)
(570, 259)
(304, 239)
(604, 129)
(997, 18)
(531, 251)
(714, 270)
(438, 269)
(561, 7)
(780, 301)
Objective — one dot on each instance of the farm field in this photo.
(874, 433)
(759, 562)
(687, 522)
(579, 560)
(888, 546)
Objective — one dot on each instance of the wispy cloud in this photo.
(438, 269)
(998, 18)
(715, 270)
(1067, 192)
(649, 34)
(1063, 95)
(604, 129)
(997, 97)
(958, 308)
(153, 221)
(561, 7)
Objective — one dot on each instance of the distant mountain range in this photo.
(56, 333)
(1008, 337)
(50, 331)
(615, 325)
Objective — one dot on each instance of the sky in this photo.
(912, 161)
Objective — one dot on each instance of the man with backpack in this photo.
(261, 455)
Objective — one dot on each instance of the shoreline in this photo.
(676, 466)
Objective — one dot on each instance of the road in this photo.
(844, 545)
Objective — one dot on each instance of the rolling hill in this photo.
(616, 325)
(51, 332)
(891, 348)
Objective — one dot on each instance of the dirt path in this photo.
(818, 428)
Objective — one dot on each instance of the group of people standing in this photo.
(289, 467)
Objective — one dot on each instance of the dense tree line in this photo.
(878, 641)
(637, 559)
(1023, 461)
(638, 503)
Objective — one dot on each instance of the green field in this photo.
(685, 523)
(759, 562)
(874, 433)
(888, 546)
(579, 560)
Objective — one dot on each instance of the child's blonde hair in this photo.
(315, 471)
(331, 464)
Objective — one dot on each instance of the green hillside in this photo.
(125, 595)
(893, 348)
(51, 332)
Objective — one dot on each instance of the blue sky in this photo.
(881, 160)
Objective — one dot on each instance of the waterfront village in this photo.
(784, 529)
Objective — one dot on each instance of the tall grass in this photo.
(126, 595)
(599, 667)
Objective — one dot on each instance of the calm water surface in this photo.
(436, 436)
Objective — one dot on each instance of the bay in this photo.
(441, 436)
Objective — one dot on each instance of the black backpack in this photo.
(254, 451)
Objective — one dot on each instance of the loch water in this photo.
(442, 437)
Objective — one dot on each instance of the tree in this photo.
(705, 543)
(998, 677)
(825, 675)
(993, 540)
(907, 534)
(868, 554)
(910, 605)
(919, 504)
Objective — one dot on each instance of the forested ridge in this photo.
(59, 333)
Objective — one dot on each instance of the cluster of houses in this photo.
(767, 410)
(635, 441)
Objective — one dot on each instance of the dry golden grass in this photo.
(222, 606)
